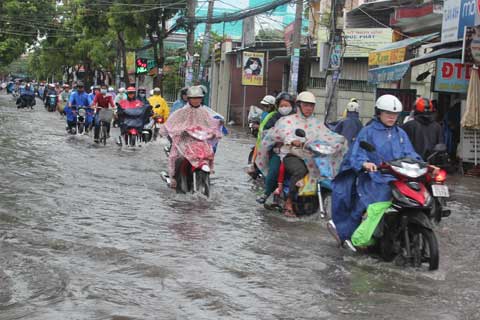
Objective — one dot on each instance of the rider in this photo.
(64, 97)
(78, 98)
(298, 161)
(130, 103)
(101, 100)
(120, 96)
(268, 103)
(181, 102)
(27, 94)
(194, 114)
(160, 106)
(285, 106)
(350, 126)
(359, 184)
(424, 132)
(111, 93)
(142, 95)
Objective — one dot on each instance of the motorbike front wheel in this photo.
(202, 182)
(81, 126)
(424, 247)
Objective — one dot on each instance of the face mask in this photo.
(142, 95)
(285, 110)
(103, 91)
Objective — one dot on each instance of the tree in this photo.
(21, 24)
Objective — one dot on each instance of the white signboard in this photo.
(361, 41)
(451, 18)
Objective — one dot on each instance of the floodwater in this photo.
(92, 232)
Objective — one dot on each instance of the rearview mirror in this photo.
(367, 146)
(300, 133)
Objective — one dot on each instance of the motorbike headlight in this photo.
(410, 170)
(82, 112)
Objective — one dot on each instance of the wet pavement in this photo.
(92, 232)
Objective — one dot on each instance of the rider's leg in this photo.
(296, 170)
(272, 176)
(96, 131)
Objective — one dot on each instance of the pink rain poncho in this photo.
(284, 133)
(184, 145)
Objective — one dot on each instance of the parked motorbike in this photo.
(193, 170)
(405, 232)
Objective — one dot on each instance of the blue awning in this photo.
(396, 72)
(391, 73)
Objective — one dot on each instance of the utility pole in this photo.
(335, 62)
(191, 7)
(295, 49)
(206, 40)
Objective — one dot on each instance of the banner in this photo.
(452, 76)
(252, 69)
(458, 14)
(471, 45)
(361, 41)
(382, 58)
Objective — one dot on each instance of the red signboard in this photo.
(288, 34)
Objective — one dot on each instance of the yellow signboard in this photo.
(383, 58)
(131, 62)
(253, 64)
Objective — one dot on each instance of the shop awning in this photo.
(408, 42)
(396, 72)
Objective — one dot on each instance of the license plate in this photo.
(440, 190)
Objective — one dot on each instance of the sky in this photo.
(279, 19)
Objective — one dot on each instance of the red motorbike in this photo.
(406, 233)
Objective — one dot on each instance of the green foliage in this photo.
(269, 35)
(61, 35)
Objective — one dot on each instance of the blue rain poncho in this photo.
(353, 189)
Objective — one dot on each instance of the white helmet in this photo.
(390, 103)
(156, 89)
(353, 106)
(307, 97)
(268, 99)
(121, 90)
(195, 92)
(110, 89)
(151, 92)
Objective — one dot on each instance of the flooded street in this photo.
(93, 232)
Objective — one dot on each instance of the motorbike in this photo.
(81, 114)
(405, 233)
(26, 101)
(133, 121)
(51, 102)
(193, 169)
(158, 122)
(311, 199)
